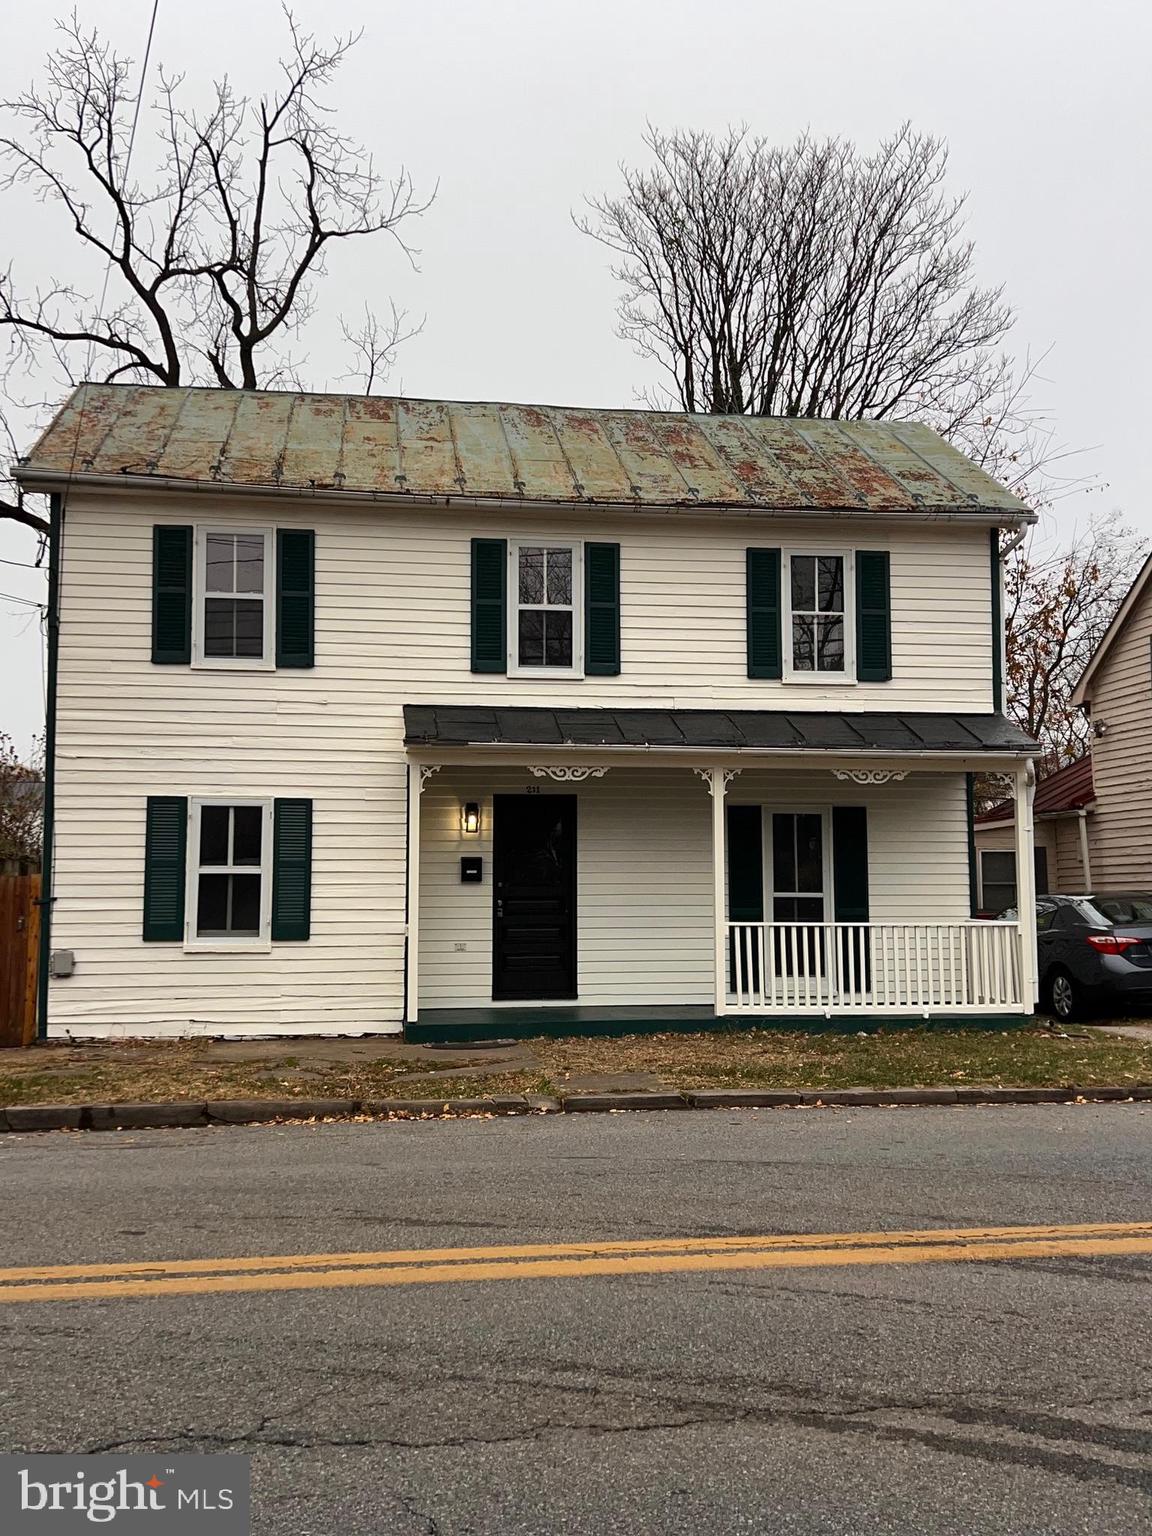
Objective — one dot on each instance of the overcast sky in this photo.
(519, 109)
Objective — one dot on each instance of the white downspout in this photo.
(717, 786)
(1025, 788)
(1082, 818)
(412, 927)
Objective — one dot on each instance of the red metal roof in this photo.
(1068, 789)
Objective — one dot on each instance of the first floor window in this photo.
(818, 612)
(545, 613)
(232, 843)
(233, 601)
(998, 878)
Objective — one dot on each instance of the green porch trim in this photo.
(449, 1025)
(997, 621)
(48, 831)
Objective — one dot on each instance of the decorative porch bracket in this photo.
(567, 775)
(870, 775)
(426, 772)
(709, 775)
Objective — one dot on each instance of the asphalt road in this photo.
(947, 1397)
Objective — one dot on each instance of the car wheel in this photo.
(1065, 997)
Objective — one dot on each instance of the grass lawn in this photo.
(913, 1058)
(165, 1071)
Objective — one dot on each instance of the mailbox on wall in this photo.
(471, 870)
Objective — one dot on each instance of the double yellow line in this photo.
(540, 1261)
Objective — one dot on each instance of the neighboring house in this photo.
(1063, 808)
(1094, 817)
(472, 718)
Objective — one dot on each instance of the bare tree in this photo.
(375, 343)
(21, 804)
(1058, 603)
(213, 260)
(809, 280)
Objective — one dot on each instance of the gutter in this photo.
(999, 516)
(47, 893)
(946, 757)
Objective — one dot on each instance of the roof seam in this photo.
(862, 447)
(218, 467)
(965, 496)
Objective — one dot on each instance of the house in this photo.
(1093, 818)
(371, 714)
(1063, 808)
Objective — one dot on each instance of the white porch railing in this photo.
(907, 968)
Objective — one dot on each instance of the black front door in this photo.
(534, 891)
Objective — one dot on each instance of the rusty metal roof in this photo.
(438, 450)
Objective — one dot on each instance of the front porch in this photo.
(561, 1022)
(612, 889)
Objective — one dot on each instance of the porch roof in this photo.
(471, 725)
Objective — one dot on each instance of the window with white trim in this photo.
(545, 619)
(230, 870)
(232, 585)
(818, 630)
(998, 877)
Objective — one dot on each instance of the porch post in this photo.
(1025, 788)
(717, 788)
(412, 904)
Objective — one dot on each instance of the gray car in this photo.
(1095, 952)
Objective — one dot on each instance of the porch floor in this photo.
(451, 1025)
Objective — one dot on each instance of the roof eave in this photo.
(54, 480)
(1112, 633)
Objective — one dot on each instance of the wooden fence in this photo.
(19, 949)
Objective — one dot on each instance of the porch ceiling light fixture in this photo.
(470, 819)
(870, 775)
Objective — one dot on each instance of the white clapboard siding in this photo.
(644, 883)
(392, 626)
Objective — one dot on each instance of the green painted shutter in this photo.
(997, 624)
(745, 831)
(850, 862)
(292, 869)
(489, 613)
(165, 847)
(171, 595)
(762, 594)
(973, 876)
(873, 616)
(745, 864)
(602, 610)
(295, 597)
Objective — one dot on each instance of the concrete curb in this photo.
(120, 1117)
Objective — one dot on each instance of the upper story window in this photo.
(818, 628)
(232, 618)
(545, 630)
(233, 597)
